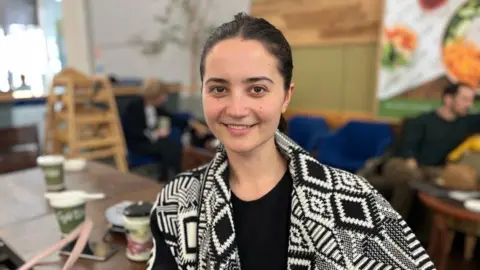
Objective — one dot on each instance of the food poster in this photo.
(426, 45)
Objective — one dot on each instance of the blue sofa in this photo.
(306, 130)
(349, 147)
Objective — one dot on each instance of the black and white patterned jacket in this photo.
(338, 221)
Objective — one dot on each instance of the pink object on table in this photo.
(81, 233)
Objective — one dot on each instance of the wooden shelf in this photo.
(118, 91)
(126, 91)
(6, 97)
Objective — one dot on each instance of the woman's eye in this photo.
(258, 90)
(218, 89)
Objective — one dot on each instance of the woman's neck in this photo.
(253, 175)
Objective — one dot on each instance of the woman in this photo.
(263, 202)
(148, 127)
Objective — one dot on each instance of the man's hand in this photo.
(200, 129)
(411, 163)
(162, 132)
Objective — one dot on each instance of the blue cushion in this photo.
(305, 130)
(135, 160)
(349, 147)
(184, 115)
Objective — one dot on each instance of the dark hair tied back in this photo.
(248, 27)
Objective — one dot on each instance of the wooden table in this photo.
(22, 193)
(28, 224)
(441, 236)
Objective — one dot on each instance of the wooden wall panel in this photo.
(340, 78)
(317, 75)
(323, 22)
(359, 77)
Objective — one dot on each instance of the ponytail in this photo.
(282, 125)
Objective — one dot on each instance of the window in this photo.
(4, 85)
(24, 52)
(27, 55)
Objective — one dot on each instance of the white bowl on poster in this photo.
(464, 23)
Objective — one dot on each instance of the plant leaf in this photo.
(161, 19)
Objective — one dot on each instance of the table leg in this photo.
(470, 243)
(433, 240)
(445, 235)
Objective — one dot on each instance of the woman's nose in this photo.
(238, 106)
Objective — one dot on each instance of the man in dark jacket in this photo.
(148, 128)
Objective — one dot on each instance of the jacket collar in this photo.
(216, 231)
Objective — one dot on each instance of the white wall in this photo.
(115, 22)
(77, 36)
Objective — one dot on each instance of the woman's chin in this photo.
(245, 146)
(239, 147)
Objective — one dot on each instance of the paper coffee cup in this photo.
(52, 167)
(69, 210)
(136, 219)
(164, 122)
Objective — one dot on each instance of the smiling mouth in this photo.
(238, 127)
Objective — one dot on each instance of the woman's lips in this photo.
(238, 130)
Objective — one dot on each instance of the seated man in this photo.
(147, 127)
(426, 142)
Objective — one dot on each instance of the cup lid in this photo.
(50, 160)
(65, 199)
(138, 209)
(71, 198)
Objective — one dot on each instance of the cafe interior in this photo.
(70, 68)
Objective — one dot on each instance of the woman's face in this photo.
(243, 94)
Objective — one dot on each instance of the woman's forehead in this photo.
(233, 51)
(240, 59)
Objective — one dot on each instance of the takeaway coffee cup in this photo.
(164, 122)
(52, 167)
(70, 208)
(136, 218)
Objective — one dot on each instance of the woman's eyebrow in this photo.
(217, 80)
(257, 79)
(245, 81)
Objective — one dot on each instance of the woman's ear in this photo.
(288, 97)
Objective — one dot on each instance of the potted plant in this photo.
(189, 34)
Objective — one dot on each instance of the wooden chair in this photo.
(83, 121)
(19, 148)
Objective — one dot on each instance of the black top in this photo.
(429, 138)
(261, 227)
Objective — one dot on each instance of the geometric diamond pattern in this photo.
(338, 221)
(352, 213)
(307, 162)
(223, 220)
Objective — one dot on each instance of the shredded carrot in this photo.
(402, 36)
(462, 60)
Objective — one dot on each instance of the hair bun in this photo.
(241, 16)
